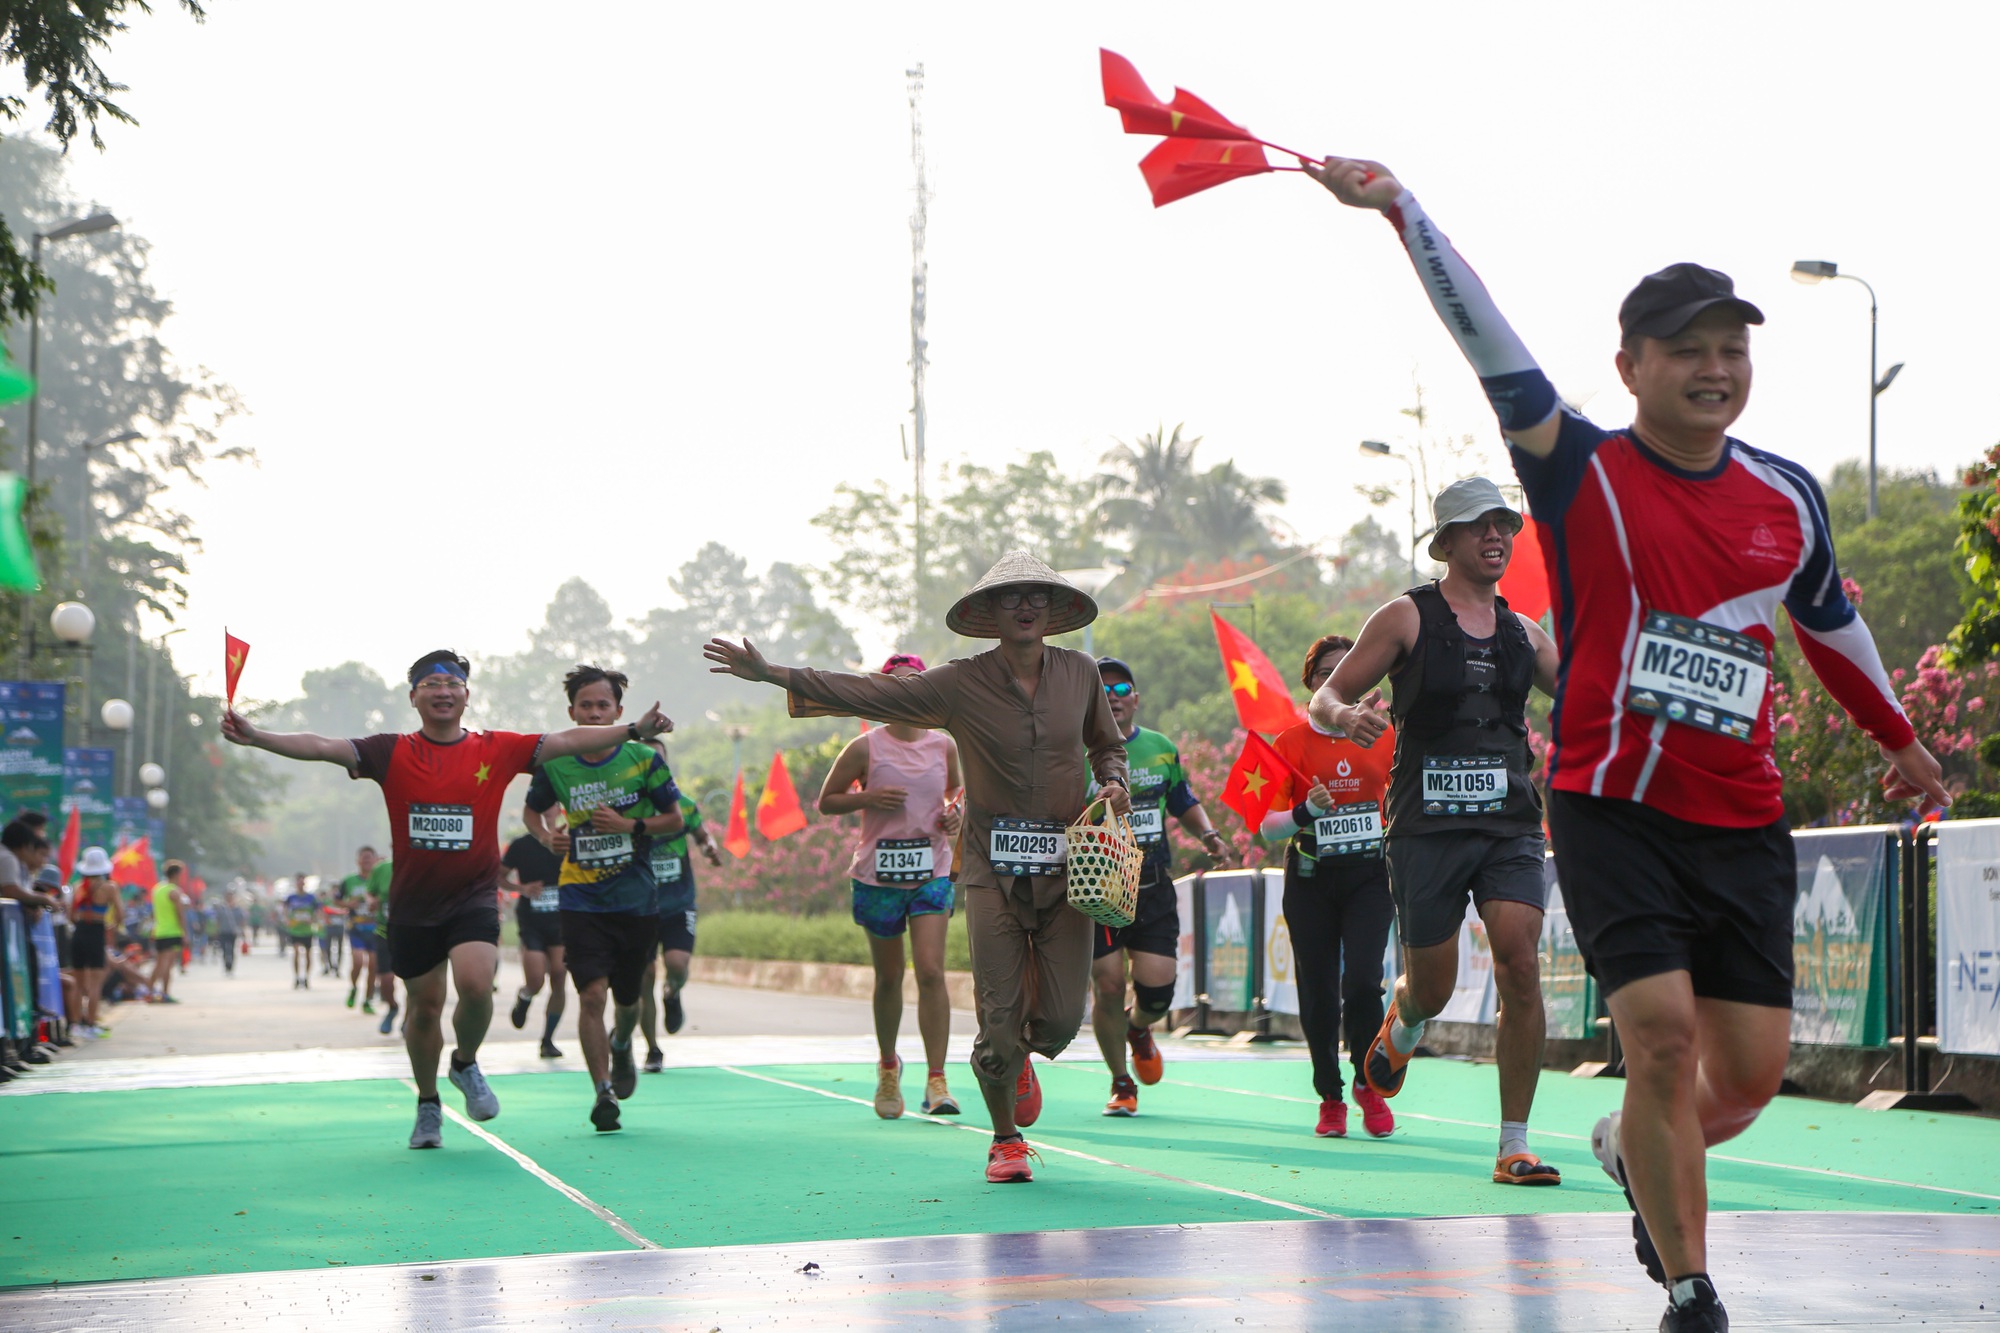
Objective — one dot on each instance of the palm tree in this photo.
(1144, 493)
(1223, 513)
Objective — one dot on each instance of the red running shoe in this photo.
(1147, 1062)
(1027, 1095)
(1376, 1117)
(1332, 1120)
(1007, 1162)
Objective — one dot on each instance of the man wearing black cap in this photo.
(1152, 942)
(444, 785)
(1671, 547)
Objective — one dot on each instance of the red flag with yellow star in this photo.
(1263, 701)
(1187, 116)
(1258, 780)
(235, 653)
(737, 837)
(1181, 167)
(778, 810)
(133, 865)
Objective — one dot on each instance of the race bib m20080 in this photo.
(440, 828)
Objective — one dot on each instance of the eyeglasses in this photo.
(1010, 599)
(1119, 689)
(444, 684)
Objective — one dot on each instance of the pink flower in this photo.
(1898, 674)
(1788, 722)
(1975, 704)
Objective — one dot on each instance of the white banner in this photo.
(1968, 943)
(1184, 956)
(1281, 981)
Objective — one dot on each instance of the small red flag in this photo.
(737, 837)
(234, 653)
(1525, 585)
(1263, 701)
(778, 810)
(1187, 116)
(1258, 780)
(1181, 167)
(134, 865)
(72, 842)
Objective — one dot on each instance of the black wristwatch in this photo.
(632, 731)
(638, 825)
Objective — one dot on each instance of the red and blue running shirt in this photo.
(444, 815)
(1629, 535)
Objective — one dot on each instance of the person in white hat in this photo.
(1465, 820)
(91, 907)
(1025, 716)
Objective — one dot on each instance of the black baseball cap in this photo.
(1114, 664)
(1666, 302)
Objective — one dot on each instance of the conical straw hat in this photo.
(1070, 607)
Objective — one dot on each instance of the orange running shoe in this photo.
(1384, 1066)
(1007, 1161)
(1124, 1096)
(1376, 1117)
(1027, 1095)
(1147, 1062)
(1332, 1120)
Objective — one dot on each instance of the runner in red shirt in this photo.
(444, 785)
(1672, 546)
(1337, 905)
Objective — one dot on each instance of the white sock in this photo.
(1405, 1039)
(1513, 1137)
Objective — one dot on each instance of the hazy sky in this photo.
(512, 298)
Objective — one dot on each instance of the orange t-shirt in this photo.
(1351, 774)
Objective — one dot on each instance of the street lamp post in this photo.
(73, 623)
(1378, 449)
(1814, 271)
(83, 503)
(86, 226)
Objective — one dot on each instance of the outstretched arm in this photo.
(1521, 395)
(588, 740)
(304, 745)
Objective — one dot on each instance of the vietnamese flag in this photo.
(72, 842)
(1258, 780)
(234, 653)
(737, 837)
(1525, 585)
(1143, 113)
(778, 810)
(1263, 701)
(134, 865)
(1181, 167)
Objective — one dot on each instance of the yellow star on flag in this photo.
(769, 798)
(236, 661)
(1254, 780)
(1242, 678)
(483, 772)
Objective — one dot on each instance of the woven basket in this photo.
(1104, 863)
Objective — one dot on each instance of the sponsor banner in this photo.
(1281, 978)
(17, 1006)
(87, 785)
(1184, 956)
(1840, 936)
(1474, 999)
(129, 823)
(156, 829)
(1226, 907)
(1968, 943)
(31, 747)
(1569, 998)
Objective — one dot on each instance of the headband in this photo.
(441, 668)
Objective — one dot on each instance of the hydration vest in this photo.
(1446, 718)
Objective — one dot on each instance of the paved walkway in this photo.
(256, 1009)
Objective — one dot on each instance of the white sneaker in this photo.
(1604, 1146)
(480, 1101)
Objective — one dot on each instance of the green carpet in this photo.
(242, 1179)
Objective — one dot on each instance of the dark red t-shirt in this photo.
(444, 815)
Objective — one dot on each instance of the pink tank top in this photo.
(918, 767)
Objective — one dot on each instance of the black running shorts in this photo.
(1156, 929)
(540, 931)
(677, 931)
(415, 950)
(1648, 893)
(1433, 875)
(617, 945)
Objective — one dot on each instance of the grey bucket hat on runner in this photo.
(1462, 502)
(1070, 607)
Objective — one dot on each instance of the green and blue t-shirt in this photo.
(1160, 790)
(607, 872)
(673, 863)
